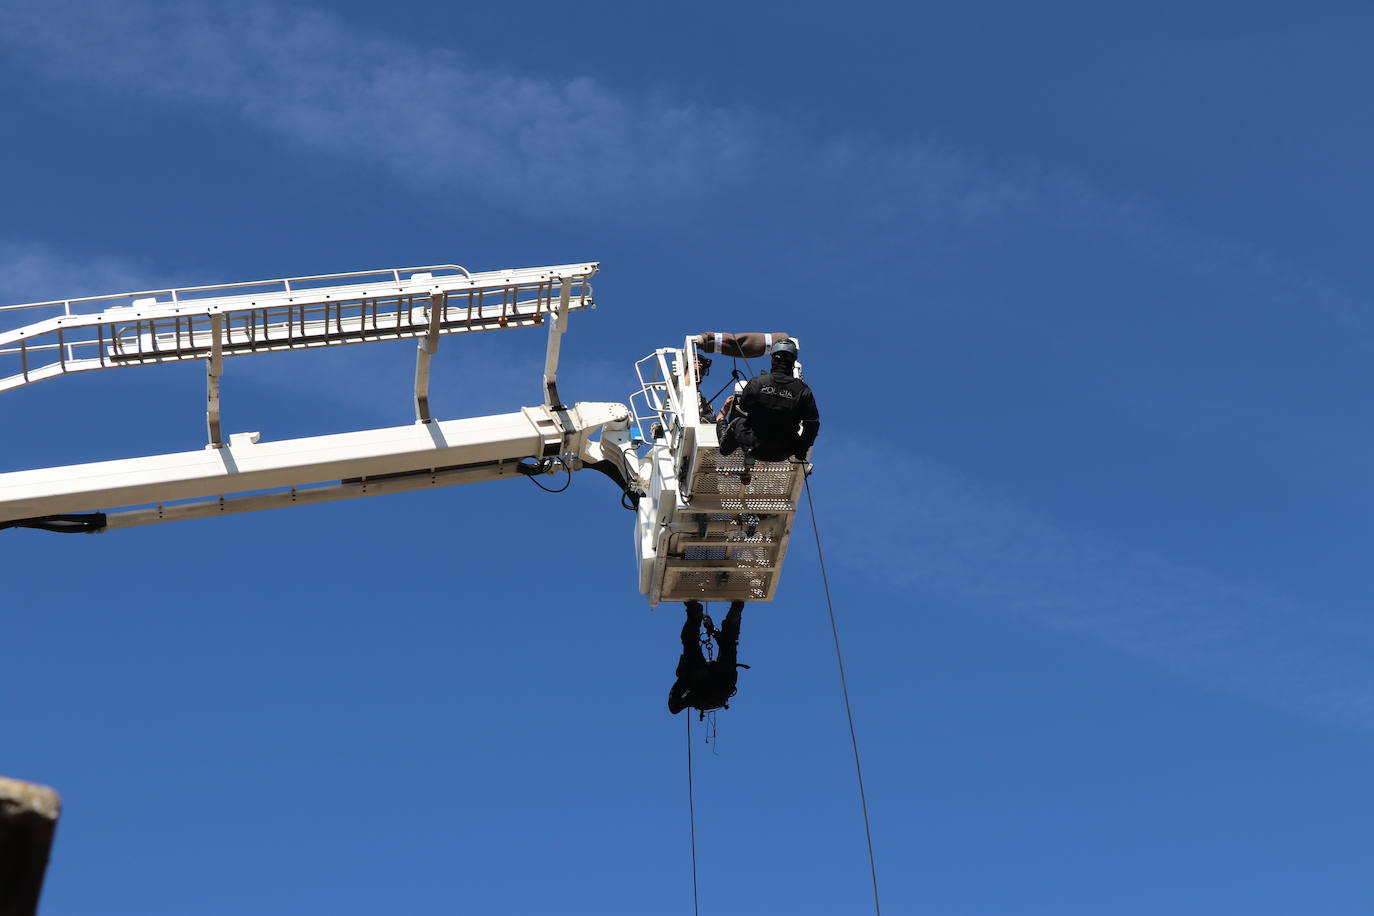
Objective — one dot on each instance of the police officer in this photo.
(701, 684)
(764, 418)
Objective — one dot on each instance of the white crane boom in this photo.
(290, 471)
(708, 527)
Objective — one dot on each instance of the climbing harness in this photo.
(708, 636)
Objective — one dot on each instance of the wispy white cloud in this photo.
(34, 272)
(956, 539)
(427, 114)
(565, 146)
(556, 146)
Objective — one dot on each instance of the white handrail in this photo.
(178, 292)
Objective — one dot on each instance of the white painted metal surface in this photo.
(703, 533)
(246, 465)
(42, 340)
(214, 322)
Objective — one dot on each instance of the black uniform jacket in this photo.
(774, 404)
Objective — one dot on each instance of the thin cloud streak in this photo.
(34, 272)
(568, 148)
(957, 540)
(556, 148)
(548, 147)
(426, 114)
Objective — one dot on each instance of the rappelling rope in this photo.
(735, 376)
(692, 813)
(844, 686)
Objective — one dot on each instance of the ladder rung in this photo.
(103, 332)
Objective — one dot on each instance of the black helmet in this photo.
(785, 348)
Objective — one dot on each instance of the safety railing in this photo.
(656, 401)
(668, 388)
(96, 304)
(156, 326)
(720, 527)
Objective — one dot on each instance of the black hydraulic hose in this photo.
(84, 523)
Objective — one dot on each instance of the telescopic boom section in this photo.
(247, 475)
(710, 527)
(239, 473)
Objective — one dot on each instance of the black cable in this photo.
(80, 523)
(544, 466)
(844, 686)
(692, 812)
(735, 376)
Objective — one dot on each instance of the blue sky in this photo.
(1084, 298)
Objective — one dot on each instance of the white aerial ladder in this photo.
(702, 532)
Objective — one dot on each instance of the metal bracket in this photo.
(557, 326)
(429, 345)
(550, 430)
(214, 368)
